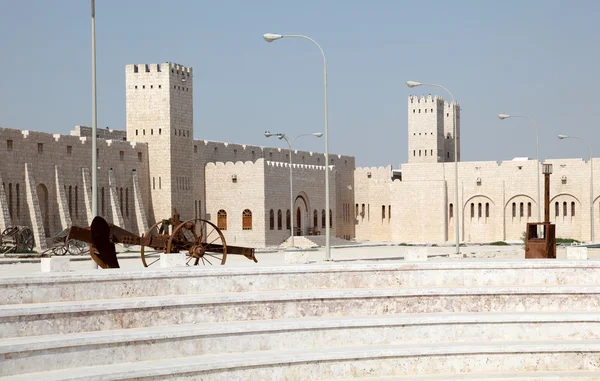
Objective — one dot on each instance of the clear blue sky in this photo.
(538, 58)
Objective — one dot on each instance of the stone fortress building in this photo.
(156, 166)
(415, 204)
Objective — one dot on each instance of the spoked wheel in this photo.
(60, 249)
(27, 240)
(153, 258)
(201, 240)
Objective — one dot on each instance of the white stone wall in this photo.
(44, 151)
(372, 193)
(422, 200)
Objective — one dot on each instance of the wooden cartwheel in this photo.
(200, 239)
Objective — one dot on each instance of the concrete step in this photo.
(511, 376)
(116, 284)
(84, 316)
(335, 363)
(54, 352)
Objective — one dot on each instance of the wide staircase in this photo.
(455, 320)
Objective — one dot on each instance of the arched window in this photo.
(556, 209)
(316, 217)
(521, 210)
(222, 219)
(383, 212)
(479, 210)
(323, 223)
(121, 200)
(18, 201)
(514, 209)
(565, 209)
(451, 211)
(271, 220)
(279, 219)
(472, 210)
(528, 209)
(572, 208)
(70, 200)
(356, 210)
(288, 220)
(330, 219)
(362, 213)
(10, 200)
(247, 219)
(487, 209)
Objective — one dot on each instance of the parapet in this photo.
(158, 68)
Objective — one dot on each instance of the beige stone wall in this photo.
(372, 193)
(235, 187)
(421, 202)
(70, 153)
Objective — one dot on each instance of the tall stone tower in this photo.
(160, 113)
(430, 132)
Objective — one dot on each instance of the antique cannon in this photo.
(63, 246)
(16, 239)
(199, 239)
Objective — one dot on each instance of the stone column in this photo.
(117, 216)
(140, 215)
(35, 214)
(5, 220)
(87, 194)
(61, 198)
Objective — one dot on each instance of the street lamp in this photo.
(94, 122)
(412, 84)
(537, 153)
(561, 137)
(270, 37)
(284, 137)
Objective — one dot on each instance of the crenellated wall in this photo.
(496, 201)
(64, 156)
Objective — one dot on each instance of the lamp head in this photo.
(268, 134)
(562, 136)
(412, 84)
(280, 136)
(270, 37)
(318, 134)
(503, 116)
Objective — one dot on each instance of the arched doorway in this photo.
(301, 208)
(299, 220)
(42, 194)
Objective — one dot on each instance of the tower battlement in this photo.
(165, 67)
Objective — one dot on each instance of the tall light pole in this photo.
(94, 120)
(537, 154)
(591, 180)
(412, 84)
(270, 37)
(284, 137)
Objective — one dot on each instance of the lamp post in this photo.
(94, 121)
(537, 153)
(270, 37)
(412, 84)
(284, 137)
(561, 137)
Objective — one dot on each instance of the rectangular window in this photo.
(69, 150)
(389, 212)
(9, 145)
(122, 155)
(40, 147)
(383, 212)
